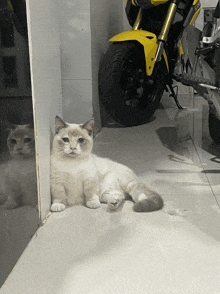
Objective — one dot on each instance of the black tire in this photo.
(125, 91)
(214, 128)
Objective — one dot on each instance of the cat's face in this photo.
(21, 141)
(73, 140)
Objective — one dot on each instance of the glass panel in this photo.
(19, 217)
(9, 71)
(7, 34)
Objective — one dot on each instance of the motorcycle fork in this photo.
(138, 20)
(166, 28)
(161, 42)
(162, 39)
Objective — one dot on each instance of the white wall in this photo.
(44, 48)
(76, 71)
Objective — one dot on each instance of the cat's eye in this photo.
(13, 141)
(81, 140)
(27, 140)
(66, 140)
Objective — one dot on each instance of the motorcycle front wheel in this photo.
(126, 92)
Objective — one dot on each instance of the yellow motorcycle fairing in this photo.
(153, 2)
(149, 42)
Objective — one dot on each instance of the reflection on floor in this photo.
(175, 250)
(17, 226)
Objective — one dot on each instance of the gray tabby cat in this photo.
(80, 177)
(18, 179)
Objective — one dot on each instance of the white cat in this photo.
(80, 177)
(18, 179)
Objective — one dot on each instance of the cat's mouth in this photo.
(73, 153)
(22, 154)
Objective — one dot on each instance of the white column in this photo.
(44, 46)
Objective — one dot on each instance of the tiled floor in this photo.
(172, 251)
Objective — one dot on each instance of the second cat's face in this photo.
(73, 140)
(21, 141)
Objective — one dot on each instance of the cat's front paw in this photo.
(113, 204)
(93, 203)
(56, 207)
(10, 205)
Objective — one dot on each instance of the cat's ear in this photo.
(89, 126)
(59, 124)
(9, 126)
(31, 126)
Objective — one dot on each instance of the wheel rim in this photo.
(140, 90)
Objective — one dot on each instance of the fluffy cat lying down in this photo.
(80, 177)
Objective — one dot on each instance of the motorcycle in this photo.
(162, 46)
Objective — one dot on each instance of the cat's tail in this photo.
(145, 199)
